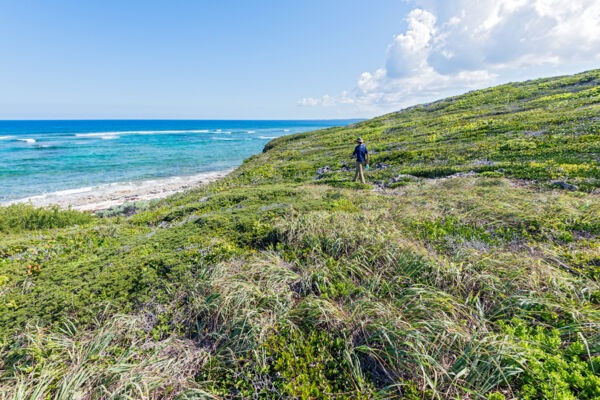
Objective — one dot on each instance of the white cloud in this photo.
(447, 50)
(499, 34)
(308, 102)
(408, 52)
(326, 100)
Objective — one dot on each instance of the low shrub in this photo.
(21, 217)
(554, 369)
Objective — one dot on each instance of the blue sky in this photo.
(277, 59)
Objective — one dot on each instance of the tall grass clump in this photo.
(114, 360)
(21, 217)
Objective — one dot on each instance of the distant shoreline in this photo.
(102, 197)
(42, 157)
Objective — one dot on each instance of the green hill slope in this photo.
(544, 129)
(468, 267)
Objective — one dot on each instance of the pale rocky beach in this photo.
(102, 197)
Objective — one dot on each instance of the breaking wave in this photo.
(106, 134)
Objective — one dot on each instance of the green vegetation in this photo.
(460, 271)
(18, 218)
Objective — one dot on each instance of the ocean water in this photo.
(38, 157)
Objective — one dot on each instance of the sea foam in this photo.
(101, 134)
(27, 140)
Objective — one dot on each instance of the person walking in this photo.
(362, 158)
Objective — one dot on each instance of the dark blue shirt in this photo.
(360, 152)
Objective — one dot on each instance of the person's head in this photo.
(360, 140)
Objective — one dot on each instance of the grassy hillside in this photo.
(468, 267)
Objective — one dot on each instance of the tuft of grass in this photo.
(112, 360)
(20, 217)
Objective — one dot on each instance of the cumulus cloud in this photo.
(446, 50)
(326, 100)
(502, 34)
(407, 55)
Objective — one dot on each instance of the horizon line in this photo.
(181, 119)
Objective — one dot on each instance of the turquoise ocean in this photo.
(40, 157)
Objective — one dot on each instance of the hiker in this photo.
(362, 157)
